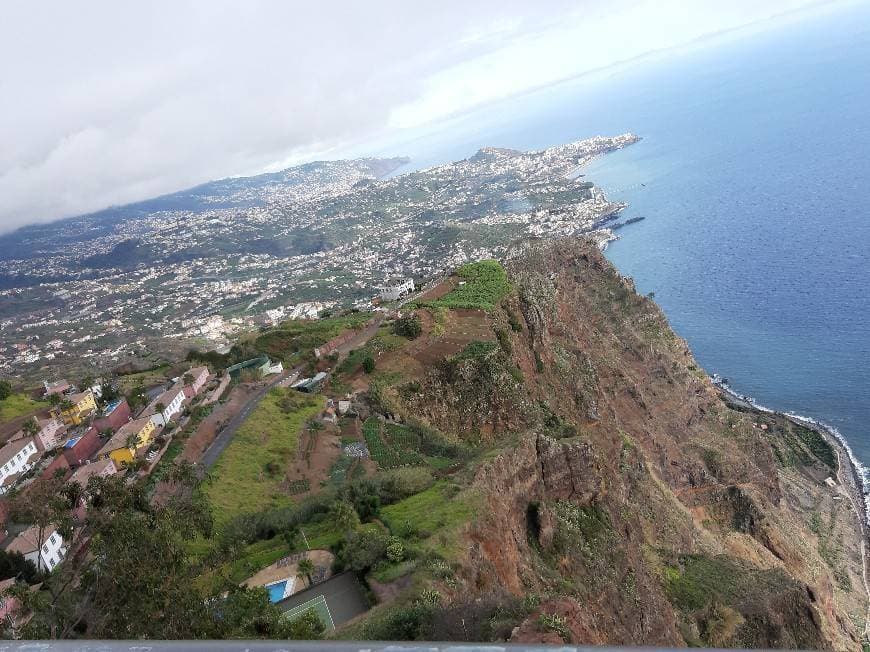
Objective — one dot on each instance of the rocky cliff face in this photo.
(632, 505)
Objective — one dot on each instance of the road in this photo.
(225, 436)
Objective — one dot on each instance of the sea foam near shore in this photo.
(861, 472)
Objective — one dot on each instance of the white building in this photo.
(16, 457)
(172, 400)
(395, 290)
(45, 556)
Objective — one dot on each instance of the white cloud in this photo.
(106, 102)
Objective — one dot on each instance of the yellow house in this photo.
(75, 408)
(130, 438)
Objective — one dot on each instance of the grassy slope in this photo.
(485, 285)
(240, 483)
(17, 405)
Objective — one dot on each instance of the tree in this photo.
(136, 398)
(66, 404)
(54, 399)
(109, 393)
(408, 326)
(159, 407)
(13, 564)
(30, 427)
(187, 378)
(368, 364)
(5, 389)
(344, 516)
(136, 563)
(362, 549)
(45, 506)
(304, 569)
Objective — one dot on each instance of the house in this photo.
(114, 415)
(171, 401)
(310, 385)
(200, 378)
(16, 457)
(131, 437)
(46, 554)
(49, 433)
(58, 466)
(58, 387)
(75, 408)
(343, 407)
(395, 290)
(329, 415)
(268, 368)
(78, 450)
(100, 468)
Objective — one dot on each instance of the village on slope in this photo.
(125, 426)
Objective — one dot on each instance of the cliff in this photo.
(623, 500)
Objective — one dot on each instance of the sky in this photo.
(104, 103)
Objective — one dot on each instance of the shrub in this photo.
(553, 623)
(5, 389)
(504, 341)
(395, 550)
(408, 326)
(368, 364)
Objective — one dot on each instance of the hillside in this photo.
(615, 498)
(523, 452)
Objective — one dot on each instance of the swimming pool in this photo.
(280, 590)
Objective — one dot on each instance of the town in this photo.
(196, 269)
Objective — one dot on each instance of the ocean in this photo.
(754, 179)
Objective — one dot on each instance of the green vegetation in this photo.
(408, 326)
(364, 356)
(485, 285)
(817, 444)
(153, 376)
(238, 482)
(386, 451)
(474, 351)
(439, 509)
(297, 339)
(18, 405)
(553, 623)
(5, 389)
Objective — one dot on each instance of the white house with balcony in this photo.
(16, 457)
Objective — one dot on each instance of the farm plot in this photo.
(389, 454)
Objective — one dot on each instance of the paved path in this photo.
(225, 436)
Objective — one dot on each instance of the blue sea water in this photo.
(754, 178)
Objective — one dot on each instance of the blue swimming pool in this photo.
(276, 591)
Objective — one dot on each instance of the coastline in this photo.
(858, 482)
(851, 474)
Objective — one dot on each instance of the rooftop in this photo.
(12, 449)
(119, 439)
(87, 471)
